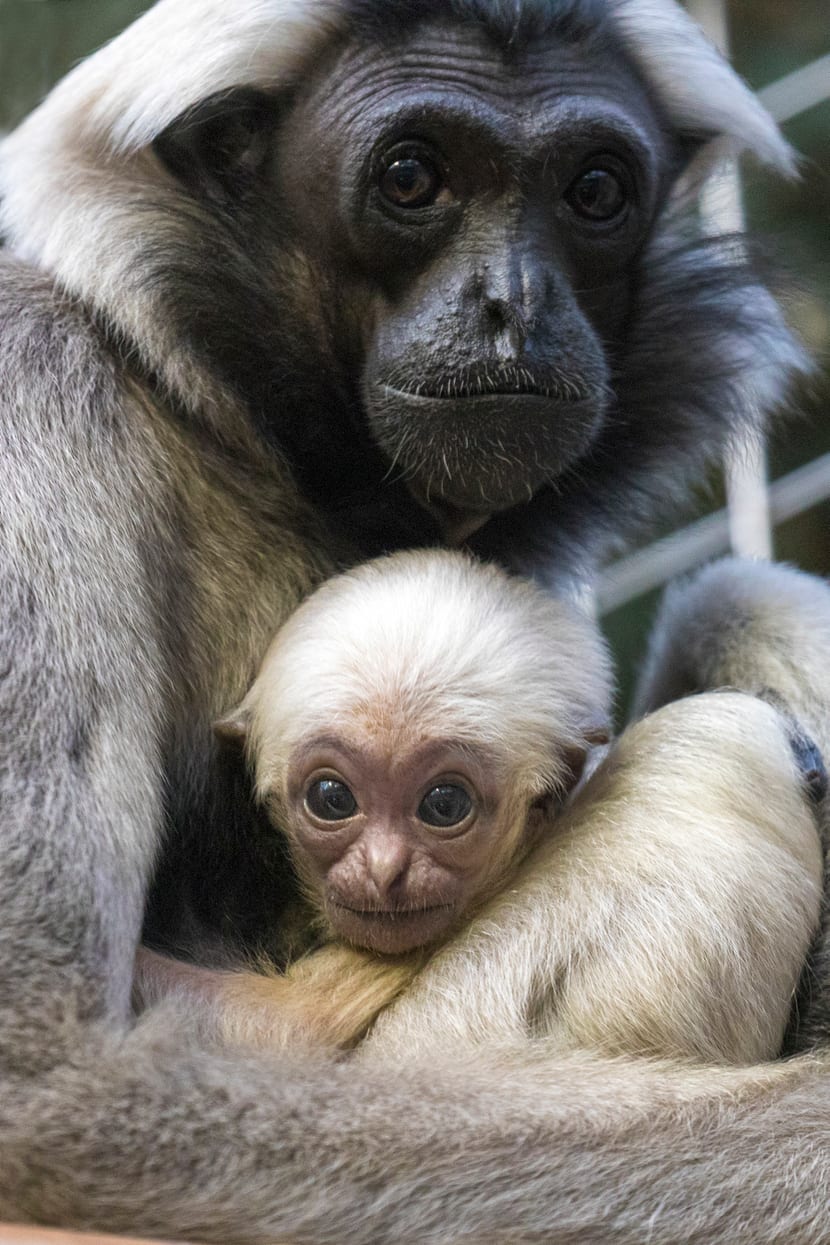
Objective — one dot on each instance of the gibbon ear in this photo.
(234, 728)
(580, 762)
(577, 760)
(220, 148)
(596, 735)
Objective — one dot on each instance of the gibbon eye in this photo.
(330, 800)
(597, 195)
(410, 182)
(446, 805)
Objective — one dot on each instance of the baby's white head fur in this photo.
(434, 645)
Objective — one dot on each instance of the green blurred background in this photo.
(41, 39)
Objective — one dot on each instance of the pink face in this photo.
(396, 845)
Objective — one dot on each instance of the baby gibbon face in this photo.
(394, 846)
(412, 729)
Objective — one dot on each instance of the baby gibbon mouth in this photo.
(393, 930)
(393, 913)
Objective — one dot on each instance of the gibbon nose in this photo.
(387, 862)
(504, 328)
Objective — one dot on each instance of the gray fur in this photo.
(147, 1133)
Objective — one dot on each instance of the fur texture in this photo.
(407, 651)
(420, 1152)
(326, 1001)
(151, 545)
(765, 629)
(707, 355)
(444, 647)
(667, 915)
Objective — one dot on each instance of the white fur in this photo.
(669, 914)
(699, 90)
(446, 647)
(75, 192)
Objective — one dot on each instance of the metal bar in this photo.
(748, 502)
(722, 209)
(798, 91)
(655, 565)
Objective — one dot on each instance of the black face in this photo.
(463, 226)
(491, 210)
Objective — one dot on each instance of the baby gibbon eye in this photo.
(330, 800)
(446, 805)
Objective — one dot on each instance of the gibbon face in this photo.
(450, 227)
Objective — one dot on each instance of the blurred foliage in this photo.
(41, 39)
(795, 216)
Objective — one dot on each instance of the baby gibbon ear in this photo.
(234, 728)
(582, 761)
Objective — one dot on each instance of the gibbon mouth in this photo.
(393, 930)
(499, 382)
(391, 914)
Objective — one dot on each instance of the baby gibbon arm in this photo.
(328, 999)
(668, 913)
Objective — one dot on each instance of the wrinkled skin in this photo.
(467, 316)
